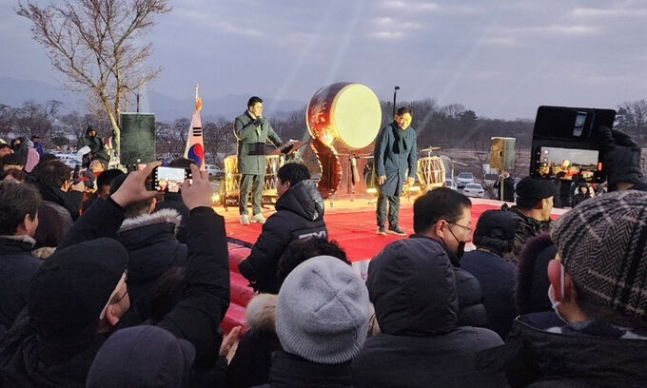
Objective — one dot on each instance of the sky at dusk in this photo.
(501, 59)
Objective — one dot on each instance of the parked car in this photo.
(463, 179)
(450, 183)
(474, 190)
(67, 158)
(214, 170)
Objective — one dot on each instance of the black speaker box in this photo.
(137, 138)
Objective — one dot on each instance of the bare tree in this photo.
(6, 120)
(174, 136)
(216, 137)
(92, 42)
(73, 124)
(453, 110)
(294, 126)
(35, 119)
(632, 117)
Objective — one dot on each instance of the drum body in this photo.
(431, 172)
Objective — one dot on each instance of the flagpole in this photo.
(195, 140)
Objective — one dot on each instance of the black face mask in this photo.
(460, 250)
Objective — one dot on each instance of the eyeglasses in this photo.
(469, 230)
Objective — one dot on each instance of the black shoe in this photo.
(396, 230)
(380, 230)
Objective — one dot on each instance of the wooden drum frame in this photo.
(230, 186)
(431, 172)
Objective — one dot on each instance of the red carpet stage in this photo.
(350, 222)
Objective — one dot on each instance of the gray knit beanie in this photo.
(603, 246)
(322, 311)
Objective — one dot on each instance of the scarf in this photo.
(400, 146)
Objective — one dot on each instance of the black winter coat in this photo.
(497, 278)
(252, 362)
(17, 266)
(299, 214)
(537, 358)
(27, 362)
(69, 200)
(508, 189)
(152, 248)
(471, 310)
(531, 295)
(290, 371)
(447, 360)
(174, 201)
(413, 286)
(525, 228)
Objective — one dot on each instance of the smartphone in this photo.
(564, 144)
(564, 163)
(169, 179)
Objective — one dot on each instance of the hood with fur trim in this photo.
(152, 248)
(170, 216)
(261, 312)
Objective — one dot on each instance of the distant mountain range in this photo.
(14, 92)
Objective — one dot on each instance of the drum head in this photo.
(356, 116)
(346, 112)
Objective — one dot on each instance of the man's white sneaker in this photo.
(244, 219)
(258, 218)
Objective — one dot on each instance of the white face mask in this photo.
(555, 304)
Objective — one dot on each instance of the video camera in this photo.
(564, 143)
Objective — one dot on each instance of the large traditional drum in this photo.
(347, 112)
(431, 172)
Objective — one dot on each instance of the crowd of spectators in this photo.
(106, 285)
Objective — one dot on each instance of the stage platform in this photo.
(350, 221)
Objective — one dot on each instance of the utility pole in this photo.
(395, 94)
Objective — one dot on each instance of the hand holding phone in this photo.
(134, 187)
(197, 193)
(169, 179)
